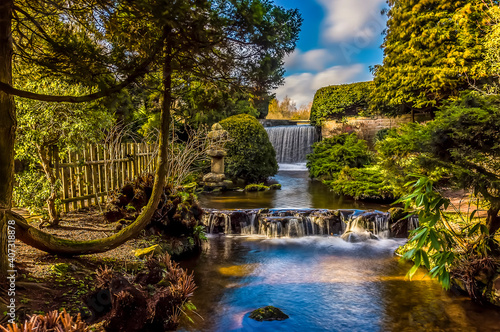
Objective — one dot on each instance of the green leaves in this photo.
(251, 155)
(431, 52)
(336, 101)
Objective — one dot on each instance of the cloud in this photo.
(358, 21)
(302, 87)
(313, 60)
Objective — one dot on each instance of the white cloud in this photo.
(314, 60)
(302, 87)
(358, 21)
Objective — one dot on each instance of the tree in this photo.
(45, 128)
(460, 147)
(213, 40)
(432, 50)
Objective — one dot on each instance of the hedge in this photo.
(336, 101)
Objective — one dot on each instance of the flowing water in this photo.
(323, 284)
(292, 143)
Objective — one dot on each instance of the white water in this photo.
(292, 143)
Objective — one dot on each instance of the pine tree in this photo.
(433, 49)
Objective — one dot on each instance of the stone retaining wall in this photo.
(366, 128)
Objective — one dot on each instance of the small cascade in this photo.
(367, 225)
(352, 225)
(292, 143)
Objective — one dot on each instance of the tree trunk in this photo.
(43, 152)
(493, 220)
(51, 244)
(7, 130)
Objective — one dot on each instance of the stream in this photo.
(322, 282)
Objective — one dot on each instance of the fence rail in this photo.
(88, 176)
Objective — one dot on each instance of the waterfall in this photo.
(351, 225)
(292, 143)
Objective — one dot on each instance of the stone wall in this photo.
(366, 128)
(276, 123)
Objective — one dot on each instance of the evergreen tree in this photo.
(432, 50)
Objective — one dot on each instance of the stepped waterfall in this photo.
(292, 143)
(351, 225)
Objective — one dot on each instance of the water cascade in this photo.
(292, 143)
(352, 225)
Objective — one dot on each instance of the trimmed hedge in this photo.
(250, 154)
(336, 101)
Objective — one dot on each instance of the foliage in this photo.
(287, 109)
(440, 244)
(345, 164)
(459, 148)
(52, 321)
(250, 154)
(48, 128)
(431, 51)
(32, 190)
(336, 101)
(362, 183)
(331, 155)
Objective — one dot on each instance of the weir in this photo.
(351, 225)
(292, 143)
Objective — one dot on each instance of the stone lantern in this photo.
(217, 138)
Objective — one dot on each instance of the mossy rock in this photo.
(153, 250)
(275, 186)
(256, 187)
(268, 313)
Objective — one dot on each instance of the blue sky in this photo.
(339, 40)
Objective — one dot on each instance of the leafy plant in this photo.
(439, 243)
(250, 154)
(331, 155)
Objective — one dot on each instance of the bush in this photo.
(251, 156)
(336, 101)
(362, 183)
(331, 155)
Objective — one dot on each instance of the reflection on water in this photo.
(323, 284)
(298, 191)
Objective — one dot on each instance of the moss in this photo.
(268, 313)
(275, 186)
(256, 187)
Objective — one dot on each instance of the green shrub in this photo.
(251, 156)
(336, 101)
(331, 155)
(362, 183)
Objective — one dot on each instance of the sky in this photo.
(339, 41)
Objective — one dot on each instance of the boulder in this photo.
(268, 313)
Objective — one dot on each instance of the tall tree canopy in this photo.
(109, 44)
(432, 50)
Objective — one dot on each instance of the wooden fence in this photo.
(89, 175)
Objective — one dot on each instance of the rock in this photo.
(213, 178)
(275, 186)
(268, 313)
(355, 237)
(494, 290)
(153, 250)
(396, 214)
